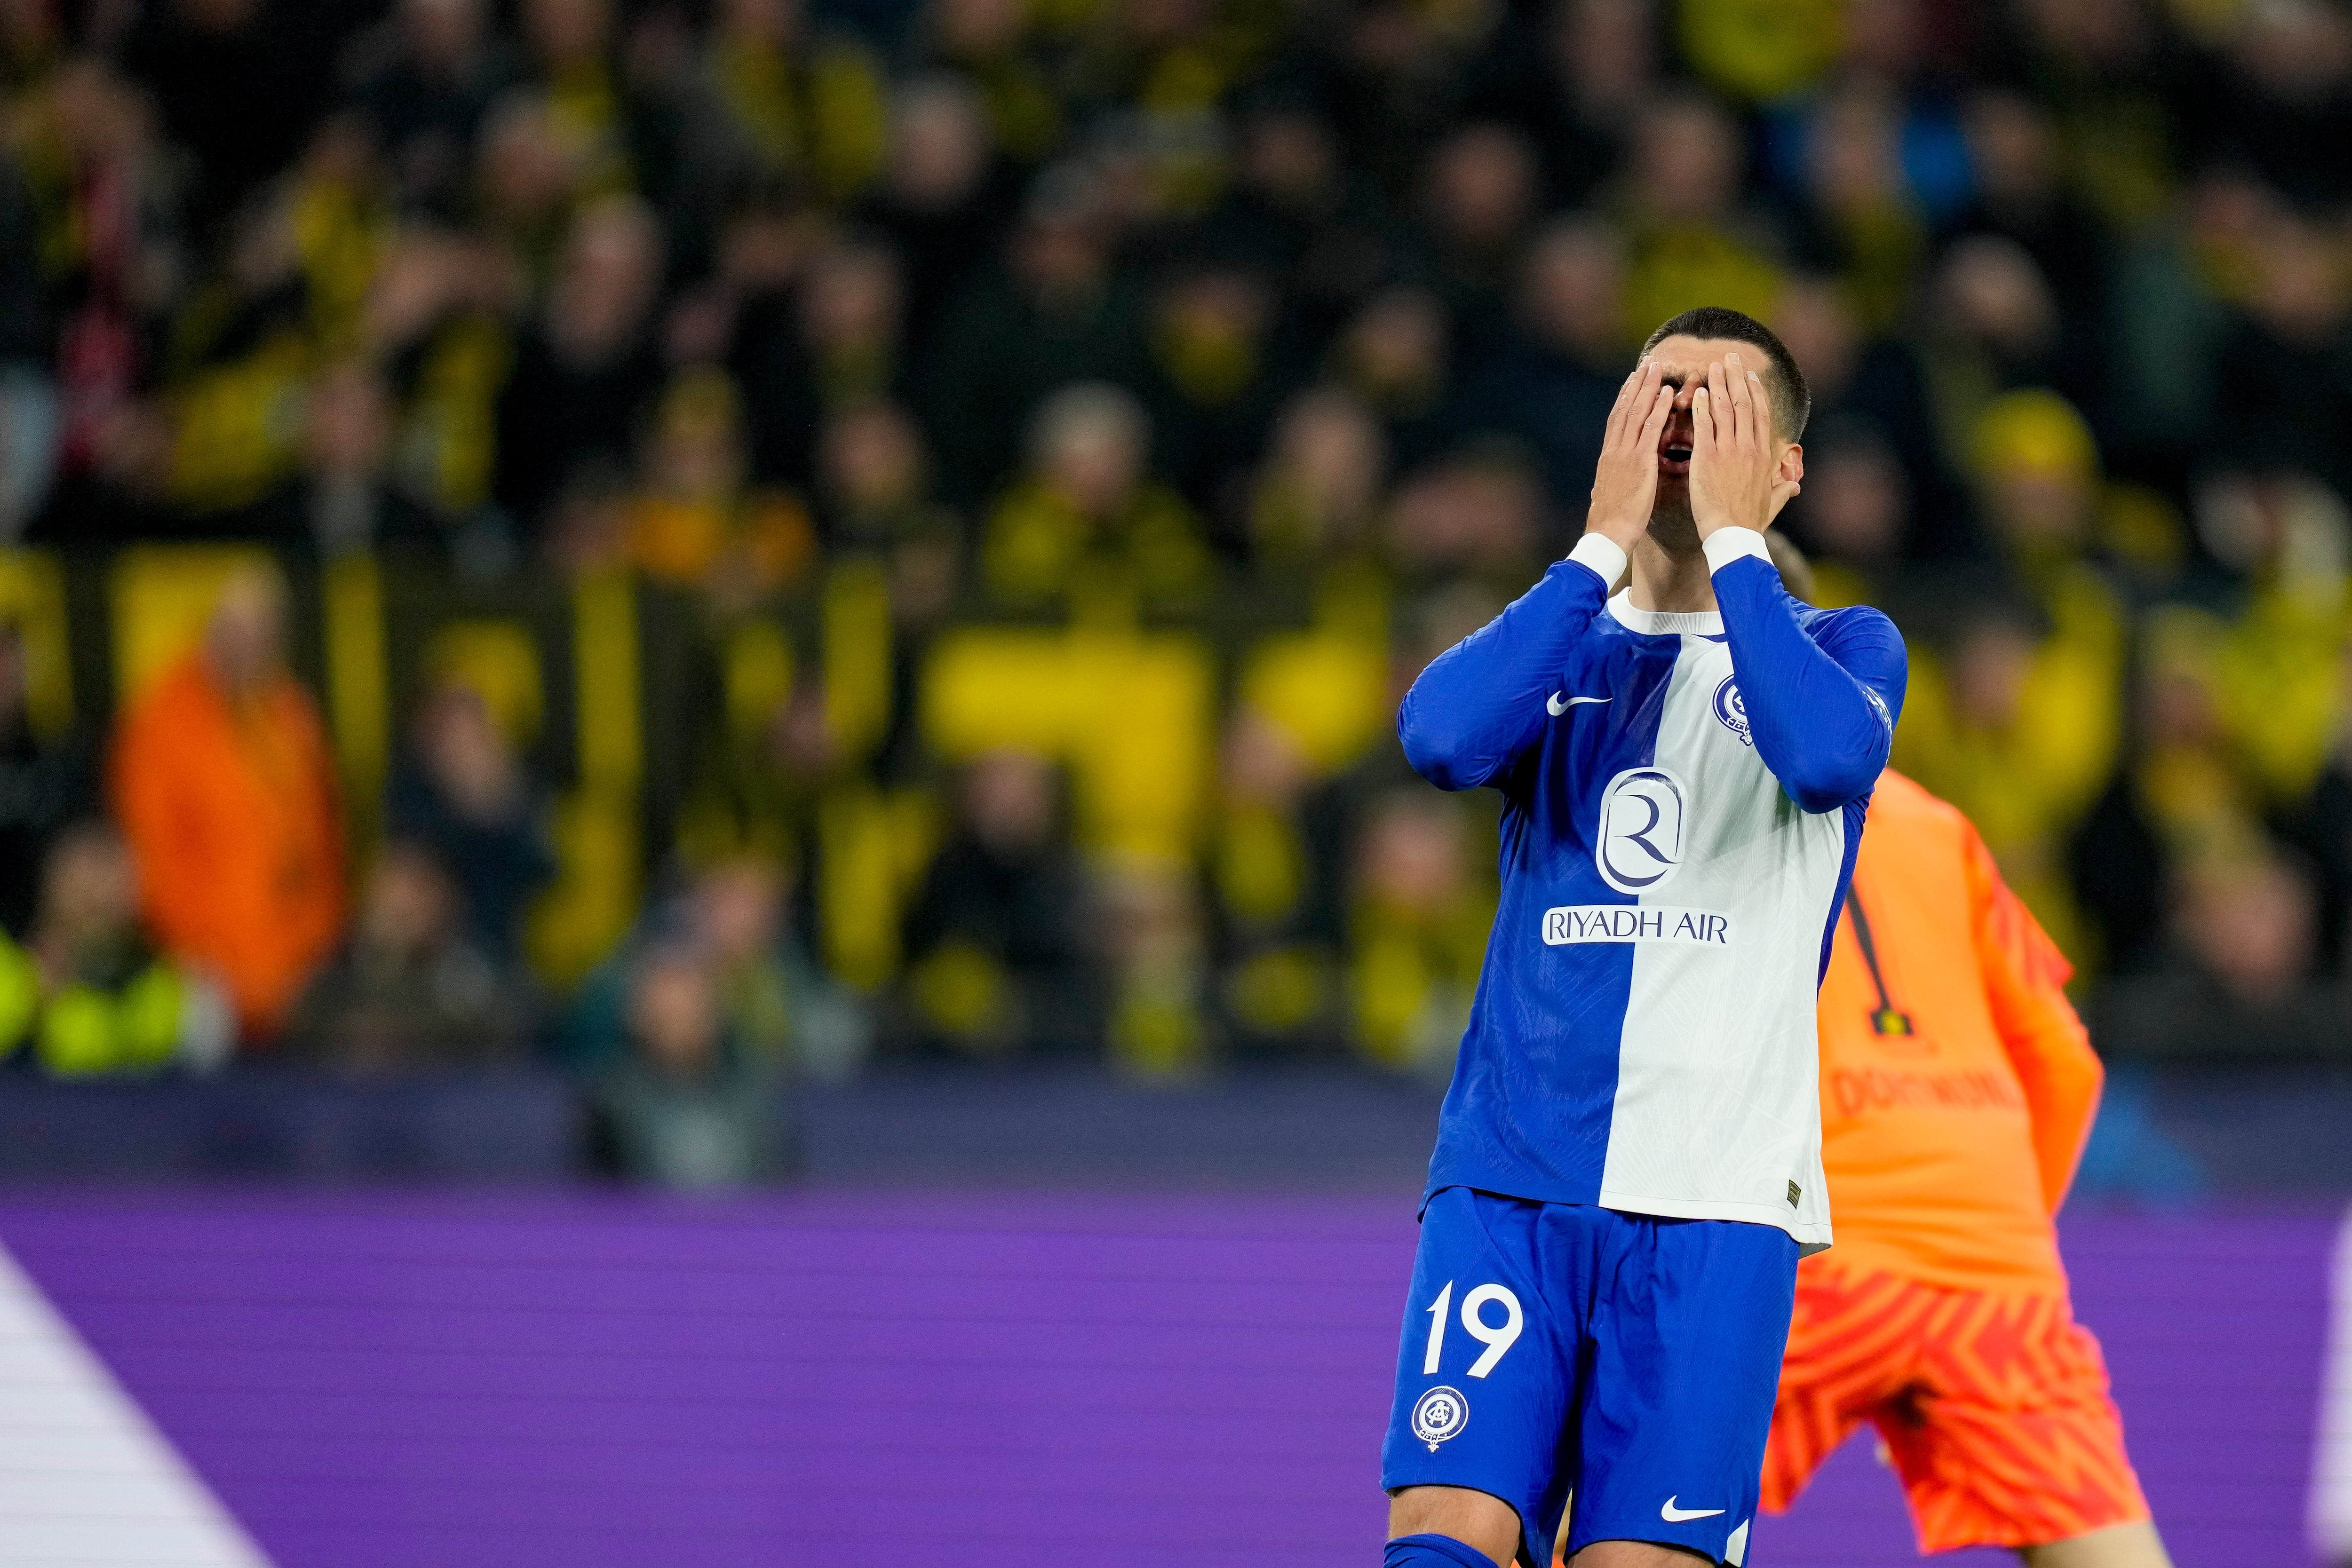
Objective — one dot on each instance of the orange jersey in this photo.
(231, 812)
(1958, 1083)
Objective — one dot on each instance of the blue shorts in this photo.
(1553, 1349)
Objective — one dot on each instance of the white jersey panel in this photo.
(1717, 1110)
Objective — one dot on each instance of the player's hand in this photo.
(1736, 477)
(1625, 485)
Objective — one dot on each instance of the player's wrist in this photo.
(1732, 541)
(1601, 555)
(1621, 531)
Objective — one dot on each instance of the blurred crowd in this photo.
(1279, 330)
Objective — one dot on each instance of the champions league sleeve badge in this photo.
(1442, 1414)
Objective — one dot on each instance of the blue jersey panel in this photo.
(1537, 1070)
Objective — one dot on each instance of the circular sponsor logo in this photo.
(1732, 711)
(1442, 1414)
(1639, 846)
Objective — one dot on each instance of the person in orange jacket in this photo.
(222, 779)
(1957, 1089)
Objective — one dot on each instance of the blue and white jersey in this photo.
(1683, 798)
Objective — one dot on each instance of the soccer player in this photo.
(1628, 1163)
(1957, 1086)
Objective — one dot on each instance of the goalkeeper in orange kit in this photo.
(1957, 1087)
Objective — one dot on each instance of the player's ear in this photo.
(1788, 476)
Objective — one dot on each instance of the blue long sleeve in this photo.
(1821, 706)
(1480, 704)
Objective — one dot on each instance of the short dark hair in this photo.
(1792, 403)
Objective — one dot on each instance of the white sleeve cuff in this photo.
(1599, 554)
(1727, 545)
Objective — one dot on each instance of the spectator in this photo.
(2285, 103)
(1480, 193)
(2237, 987)
(768, 102)
(2021, 197)
(343, 501)
(838, 343)
(1996, 327)
(1875, 388)
(995, 46)
(942, 199)
(696, 523)
(1300, 214)
(1693, 235)
(783, 1015)
(86, 990)
(1552, 382)
(683, 1108)
(568, 58)
(408, 991)
(109, 219)
(1222, 371)
(1862, 220)
(2014, 712)
(1476, 514)
(29, 413)
(1315, 496)
(580, 372)
(222, 779)
(44, 783)
(528, 171)
(1574, 88)
(462, 796)
(1416, 945)
(779, 1008)
(874, 479)
(998, 942)
(425, 81)
(1396, 354)
(2279, 390)
(1855, 515)
(1058, 309)
(1275, 924)
(1086, 521)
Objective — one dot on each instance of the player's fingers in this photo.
(1661, 408)
(1727, 412)
(1616, 423)
(1645, 394)
(1626, 417)
(1763, 399)
(1736, 381)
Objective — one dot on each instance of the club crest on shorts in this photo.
(1732, 711)
(1442, 1414)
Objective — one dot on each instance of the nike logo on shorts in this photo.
(1554, 705)
(1674, 1515)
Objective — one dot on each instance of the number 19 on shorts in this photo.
(1496, 1337)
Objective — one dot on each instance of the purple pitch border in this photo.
(995, 1382)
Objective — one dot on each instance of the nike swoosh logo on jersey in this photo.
(1554, 705)
(1674, 1515)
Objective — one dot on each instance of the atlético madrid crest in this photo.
(1442, 1414)
(1731, 710)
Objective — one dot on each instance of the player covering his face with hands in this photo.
(1628, 1161)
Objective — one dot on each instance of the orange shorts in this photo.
(1993, 1405)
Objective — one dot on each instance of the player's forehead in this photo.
(1683, 354)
